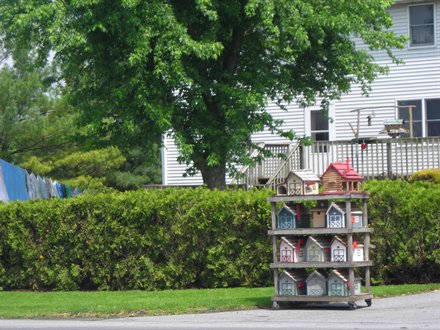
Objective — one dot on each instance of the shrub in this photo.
(174, 238)
(431, 175)
(185, 238)
(406, 222)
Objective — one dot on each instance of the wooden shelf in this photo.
(317, 231)
(320, 197)
(304, 298)
(353, 264)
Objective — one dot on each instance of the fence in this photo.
(392, 158)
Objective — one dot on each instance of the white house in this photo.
(415, 83)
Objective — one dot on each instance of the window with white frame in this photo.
(286, 255)
(425, 116)
(421, 25)
(319, 128)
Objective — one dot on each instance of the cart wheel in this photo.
(275, 305)
(368, 301)
(352, 306)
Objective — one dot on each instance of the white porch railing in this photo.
(388, 158)
(384, 158)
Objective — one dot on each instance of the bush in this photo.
(431, 175)
(185, 238)
(174, 238)
(406, 231)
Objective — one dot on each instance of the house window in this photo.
(286, 255)
(314, 254)
(433, 117)
(425, 116)
(286, 222)
(286, 289)
(339, 254)
(336, 288)
(319, 129)
(335, 221)
(421, 25)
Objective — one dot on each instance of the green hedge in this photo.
(174, 238)
(406, 222)
(194, 238)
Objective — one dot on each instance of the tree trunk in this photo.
(214, 177)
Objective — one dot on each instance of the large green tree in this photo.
(32, 121)
(203, 68)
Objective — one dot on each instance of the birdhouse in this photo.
(316, 284)
(358, 252)
(318, 217)
(286, 218)
(335, 216)
(340, 177)
(292, 250)
(338, 250)
(317, 249)
(356, 219)
(291, 284)
(300, 182)
(302, 216)
(357, 285)
(337, 284)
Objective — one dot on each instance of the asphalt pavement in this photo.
(420, 311)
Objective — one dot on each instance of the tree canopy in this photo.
(204, 69)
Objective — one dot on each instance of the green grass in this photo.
(129, 303)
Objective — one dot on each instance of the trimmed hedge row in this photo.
(174, 238)
(406, 222)
(185, 238)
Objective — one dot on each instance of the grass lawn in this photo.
(129, 303)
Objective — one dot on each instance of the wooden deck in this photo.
(381, 158)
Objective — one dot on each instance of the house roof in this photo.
(289, 243)
(304, 175)
(315, 274)
(336, 273)
(296, 277)
(337, 238)
(334, 205)
(345, 170)
(288, 209)
(321, 242)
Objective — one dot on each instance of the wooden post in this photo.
(274, 246)
(366, 246)
(349, 226)
(389, 161)
(301, 157)
(410, 111)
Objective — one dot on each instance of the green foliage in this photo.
(431, 175)
(405, 219)
(149, 240)
(33, 121)
(205, 69)
(83, 169)
(186, 238)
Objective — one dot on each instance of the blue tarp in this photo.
(15, 181)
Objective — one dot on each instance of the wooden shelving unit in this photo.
(347, 232)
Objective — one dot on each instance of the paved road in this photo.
(421, 311)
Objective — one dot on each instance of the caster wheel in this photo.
(275, 305)
(368, 301)
(352, 306)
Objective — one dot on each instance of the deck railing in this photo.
(382, 158)
(386, 158)
(261, 172)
